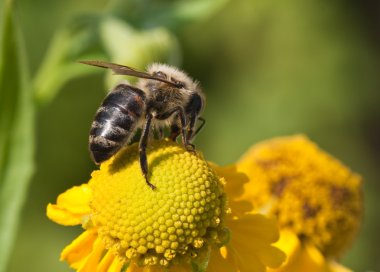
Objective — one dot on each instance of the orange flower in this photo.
(316, 199)
(187, 224)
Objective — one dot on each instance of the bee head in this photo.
(172, 74)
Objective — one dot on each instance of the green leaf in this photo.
(75, 41)
(190, 11)
(17, 119)
(170, 14)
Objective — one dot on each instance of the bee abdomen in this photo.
(115, 121)
(102, 148)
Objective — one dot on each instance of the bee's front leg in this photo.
(142, 149)
(185, 139)
(175, 131)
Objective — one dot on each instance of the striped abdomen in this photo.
(115, 121)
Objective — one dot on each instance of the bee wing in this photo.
(124, 70)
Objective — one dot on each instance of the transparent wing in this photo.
(124, 70)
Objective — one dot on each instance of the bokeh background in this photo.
(268, 68)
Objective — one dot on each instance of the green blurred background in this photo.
(268, 68)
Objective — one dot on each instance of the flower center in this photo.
(179, 221)
(310, 192)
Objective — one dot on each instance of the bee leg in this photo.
(185, 140)
(160, 133)
(142, 150)
(190, 131)
(174, 132)
(182, 117)
(200, 127)
(193, 109)
(190, 147)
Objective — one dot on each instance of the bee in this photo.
(164, 96)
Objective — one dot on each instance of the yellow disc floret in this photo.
(311, 193)
(178, 221)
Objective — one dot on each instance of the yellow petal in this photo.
(175, 268)
(116, 265)
(245, 260)
(71, 206)
(251, 240)
(180, 268)
(290, 244)
(260, 228)
(86, 254)
(134, 268)
(62, 217)
(271, 256)
(106, 262)
(220, 262)
(234, 187)
(336, 267)
(301, 257)
(234, 179)
(79, 249)
(76, 199)
(93, 260)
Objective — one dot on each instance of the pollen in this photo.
(310, 192)
(178, 221)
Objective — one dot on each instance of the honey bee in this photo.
(164, 96)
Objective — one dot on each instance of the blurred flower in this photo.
(183, 225)
(316, 199)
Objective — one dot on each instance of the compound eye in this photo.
(160, 74)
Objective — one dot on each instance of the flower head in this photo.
(314, 196)
(175, 227)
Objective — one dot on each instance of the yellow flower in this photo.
(183, 225)
(316, 199)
